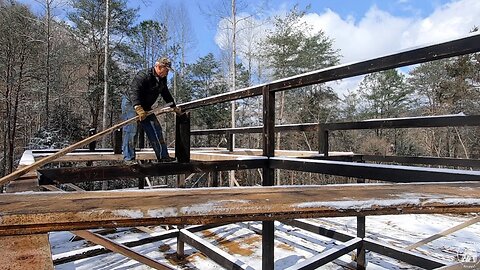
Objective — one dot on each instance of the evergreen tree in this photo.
(291, 48)
(88, 18)
(385, 94)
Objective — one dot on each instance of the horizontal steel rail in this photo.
(257, 129)
(100, 173)
(410, 122)
(392, 173)
(461, 46)
(438, 161)
(403, 255)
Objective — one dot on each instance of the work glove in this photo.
(177, 110)
(142, 114)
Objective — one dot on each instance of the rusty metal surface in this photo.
(25, 252)
(42, 212)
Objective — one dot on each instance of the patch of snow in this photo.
(128, 213)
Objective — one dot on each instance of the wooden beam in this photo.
(25, 252)
(443, 233)
(47, 211)
(122, 249)
(99, 173)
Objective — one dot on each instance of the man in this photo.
(143, 93)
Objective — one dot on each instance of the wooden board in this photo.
(50, 211)
(25, 252)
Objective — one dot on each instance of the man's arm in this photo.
(167, 96)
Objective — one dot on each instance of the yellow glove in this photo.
(140, 112)
(177, 110)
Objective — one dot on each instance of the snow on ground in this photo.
(292, 245)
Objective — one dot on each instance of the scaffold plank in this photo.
(25, 252)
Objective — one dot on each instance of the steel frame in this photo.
(461, 46)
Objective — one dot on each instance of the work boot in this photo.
(167, 159)
(130, 162)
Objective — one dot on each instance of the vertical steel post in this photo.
(268, 231)
(182, 138)
(322, 140)
(117, 141)
(141, 136)
(92, 145)
(361, 259)
(229, 136)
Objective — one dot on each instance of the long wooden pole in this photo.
(14, 175)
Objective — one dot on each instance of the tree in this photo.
(291, 48)
(88, 17)
(385, 94)
(19, 48)
(206, 79)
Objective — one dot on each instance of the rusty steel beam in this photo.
(100, 173)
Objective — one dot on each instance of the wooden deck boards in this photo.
(47, 211)
(25, 252)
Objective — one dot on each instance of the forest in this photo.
(53, 76)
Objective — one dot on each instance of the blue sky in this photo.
(354, 10)
(355, 25)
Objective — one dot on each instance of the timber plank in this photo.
(25, 252)
(50, 211)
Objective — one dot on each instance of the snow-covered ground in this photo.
(292, 245)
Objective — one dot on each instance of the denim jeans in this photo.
(152, 128)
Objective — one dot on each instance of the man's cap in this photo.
(164, 61)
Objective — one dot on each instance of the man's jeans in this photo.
(152, 129)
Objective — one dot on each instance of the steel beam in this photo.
(100, 173)
(314, 228)
(219, 256)
(439, 161)
(410, 122)
(392, 173)
(403, 255)
(327, 256)
(460, 46)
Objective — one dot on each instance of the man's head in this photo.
(162, 66)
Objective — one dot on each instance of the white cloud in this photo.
(379, 32)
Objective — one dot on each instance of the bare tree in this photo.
(105, 72)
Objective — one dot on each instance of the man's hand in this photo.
(177, 110)
(140, 112)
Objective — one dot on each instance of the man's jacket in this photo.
(146, 88)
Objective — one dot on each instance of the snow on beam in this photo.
(27, 213)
